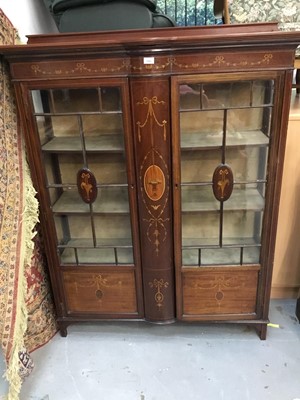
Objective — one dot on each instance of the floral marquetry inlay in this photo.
(159, 285)
(126, 66)
(154, 175)
(97, 282)
(154, 184)
(151, 117)
(87, 185)
(220, 283)
(222, 61)
(82, 68)
(222, 182)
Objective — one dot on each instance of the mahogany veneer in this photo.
(157, 157)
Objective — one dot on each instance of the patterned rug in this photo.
(26, 309)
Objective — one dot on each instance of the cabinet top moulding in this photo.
(159, 40)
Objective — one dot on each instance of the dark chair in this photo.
(95, 15)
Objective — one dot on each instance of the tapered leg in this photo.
(262, 331)
(63, 329)
(298, 309)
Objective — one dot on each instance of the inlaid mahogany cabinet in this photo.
(157, 157)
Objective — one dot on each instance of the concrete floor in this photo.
(140, 361)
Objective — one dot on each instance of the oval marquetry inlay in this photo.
(87, 185)
(222, 182)
(154, 182)
(99, 294)
(219, 296)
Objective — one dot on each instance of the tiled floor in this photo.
(140, 361)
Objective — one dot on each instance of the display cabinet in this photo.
(157, 157)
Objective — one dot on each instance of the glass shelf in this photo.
(101, 143)
(194, 141)
(107, 251)
(237, 251)
(220, 256)
(211, 242)
(202, 199)
(110, 200)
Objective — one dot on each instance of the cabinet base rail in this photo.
(260, 325)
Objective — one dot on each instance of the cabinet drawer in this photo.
(219, 292)
(100, 292)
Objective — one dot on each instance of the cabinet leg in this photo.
(261, 330)
(63, 329)
(298, 81)
(298, 309)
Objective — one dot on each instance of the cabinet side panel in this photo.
(151, 121)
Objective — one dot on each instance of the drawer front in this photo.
(219, 293)
(100, 292)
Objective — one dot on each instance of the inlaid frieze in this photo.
(198, 62)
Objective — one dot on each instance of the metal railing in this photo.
(189, 12)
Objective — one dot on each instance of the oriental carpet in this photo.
(26, 309)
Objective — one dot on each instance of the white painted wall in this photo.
(29, 17)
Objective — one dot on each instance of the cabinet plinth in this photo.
(157, 157)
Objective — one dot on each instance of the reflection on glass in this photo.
(243, 227)
(226, 94)
(198, 169)
(198, 198)
(248, 163)
(200, 229)
(201, 129)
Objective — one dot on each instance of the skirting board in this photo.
(285, 292)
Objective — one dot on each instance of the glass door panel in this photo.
(195, 169)
(82, 142)
(200, 229)
(225, 130)
(201, 129)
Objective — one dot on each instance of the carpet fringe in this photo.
(29, 220)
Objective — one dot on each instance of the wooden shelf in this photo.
(110, 200)
(102, 143)
(201, 141)
(201, 199)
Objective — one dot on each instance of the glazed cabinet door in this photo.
(88, 196)
(223, 132)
